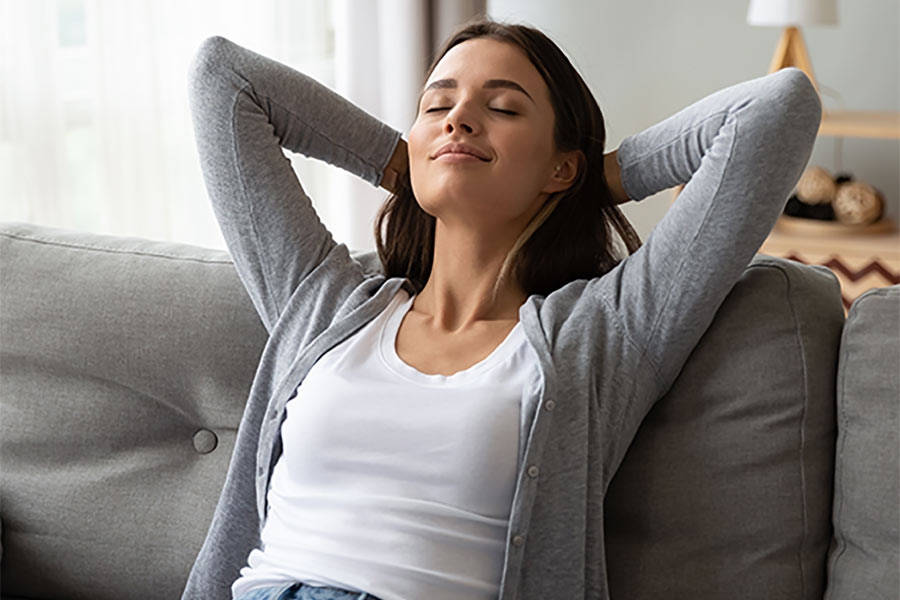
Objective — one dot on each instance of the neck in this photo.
(459, 291)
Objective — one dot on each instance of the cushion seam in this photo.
(93, 247)
(837, 509)
(803, 422)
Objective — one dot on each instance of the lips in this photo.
(462, 148)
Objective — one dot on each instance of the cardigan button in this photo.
(549, 404)
(533, 471)
(205, 441)
(518, 540)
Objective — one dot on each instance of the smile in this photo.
(459, 157)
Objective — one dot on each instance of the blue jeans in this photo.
(302, 591)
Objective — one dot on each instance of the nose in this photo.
(459, 117)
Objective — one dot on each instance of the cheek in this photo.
(417, 152)
(416, 146)
(527, 148)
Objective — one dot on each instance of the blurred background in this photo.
(95, 132)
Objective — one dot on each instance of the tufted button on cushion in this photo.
(205, 441)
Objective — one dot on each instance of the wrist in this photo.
(398, 165)
(614, 177)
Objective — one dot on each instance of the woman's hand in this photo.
(611, 169)
(398, 165)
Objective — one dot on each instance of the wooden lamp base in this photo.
(791, 52)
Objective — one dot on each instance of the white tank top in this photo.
(392, 481)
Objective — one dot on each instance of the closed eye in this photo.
(508, 112)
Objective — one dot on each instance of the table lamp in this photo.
(791, 50)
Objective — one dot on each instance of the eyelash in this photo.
(508, 112)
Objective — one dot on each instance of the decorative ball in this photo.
(857, 203)
(816, 186)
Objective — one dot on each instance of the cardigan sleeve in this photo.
(245, 108)
(740, 150)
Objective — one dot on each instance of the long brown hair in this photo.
(572, 235)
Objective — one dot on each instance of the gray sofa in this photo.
(769, 470)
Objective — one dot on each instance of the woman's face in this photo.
(466, 100)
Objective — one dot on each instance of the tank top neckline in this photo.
(388, 348)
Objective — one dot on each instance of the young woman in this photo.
(441, 421)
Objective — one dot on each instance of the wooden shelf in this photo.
(861, 123)
(861, 258)
(827, 231)
(879, 239)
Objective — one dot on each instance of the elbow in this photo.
(784, 112)
(206, 63)
(798, 99)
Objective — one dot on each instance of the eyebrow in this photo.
(490, 83)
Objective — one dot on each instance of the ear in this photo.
(564, 171)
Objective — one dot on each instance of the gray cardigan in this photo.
(609, 347)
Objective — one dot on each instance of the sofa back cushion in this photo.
(126, 364)
(725, 492)
(864, 560)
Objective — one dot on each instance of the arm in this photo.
(740, 151)
(245, 109)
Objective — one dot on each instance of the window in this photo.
(95, 130)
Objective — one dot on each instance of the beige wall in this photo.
(647, 59)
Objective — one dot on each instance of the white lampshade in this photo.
(792, 12)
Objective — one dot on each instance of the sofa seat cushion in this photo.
(864, 559)
(725, 492)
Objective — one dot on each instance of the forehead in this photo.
(474, 61)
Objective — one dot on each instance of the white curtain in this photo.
(380, 57)
(95, 132)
